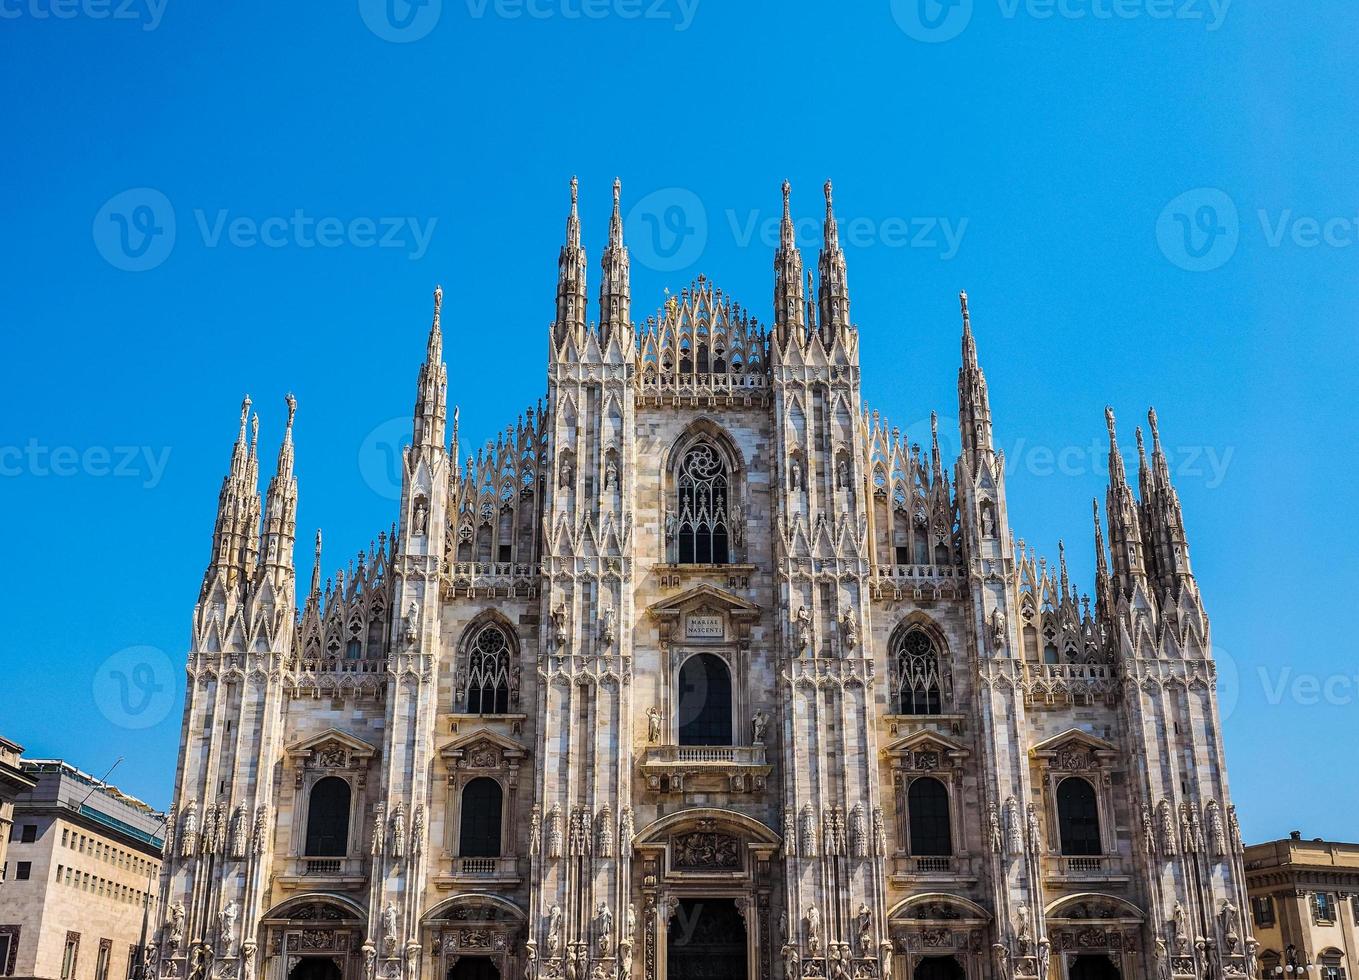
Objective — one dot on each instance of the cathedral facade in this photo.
(700, 669)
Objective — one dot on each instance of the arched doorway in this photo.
(707, 941)
(1093, 966)
(473, 968)
(939, 968)
(315, 968)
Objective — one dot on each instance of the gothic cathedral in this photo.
(701, 670)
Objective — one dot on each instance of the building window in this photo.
(1262, 911)
(927, 806)
(488, 674)
(482, 803)
(702, 510)
(704, 712)
(917, 664)
(1332, 964)
(22, 870)
(101, 965)
(29, 834)
(9, 949)
(1323, 907)
(1078, 817)
(134, 955)
(69, 956)
(328, 819)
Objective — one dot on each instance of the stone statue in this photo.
(738, 525)
(1230, 926)
(1016, 826)
(626, 832)
(791, 968)
(554, 831)
(1001, 955)
(412, 623)
(1022, 923)
(554, 929)
(865, 921)
(993, 817)
(794, 475)
(999, 627)
(260, 834)
(175, 924)
(653, 724)
(607, 628)
(842, 474)
(1167, 829)
(671, 525)
(420, 518)
(389, 928)
(611, 474)
(858, 831)
(604, 832)
(808, 831)
(418, 829)
(398, 830)
(378, 844)
(572, 964)
(1044, 957)
(1180, 921)
(369, 960)
(803, 629)
(226, 924)
(1035, 835)
(885, 958)
(603, 927)
(988, 521)
(535, 829)
(1148, 830)
(530, 961)
(813, 929)
(238, 832)
(759, 724)
(559, 626)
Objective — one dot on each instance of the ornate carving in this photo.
(705, 851)
(858, 831)
(808, 831)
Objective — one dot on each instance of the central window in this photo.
(488, 681)
(705, 701)
(702, 513)
(917, 674)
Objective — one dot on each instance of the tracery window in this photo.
(917, 662)
(702, 512)
(488, 672)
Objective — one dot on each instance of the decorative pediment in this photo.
(482, 749)
(1075, 751)
(926, 751)
(332, 749)
(1092, 906)
(939, 907)
(704, 614)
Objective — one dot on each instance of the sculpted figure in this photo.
(653, 724)
(759, 724)
(813, 929)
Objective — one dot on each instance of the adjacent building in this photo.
(702, 669)
(80, 878)
(1304, 906)
(13, 782)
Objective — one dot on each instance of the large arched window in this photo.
(704, 701)
(917, 663)
(1078, 817)
(482, 800)
(488, 672)
(703, 526)
(927, 806)
(328, 818)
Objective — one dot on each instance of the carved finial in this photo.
(1141, 446)
(292, 411)
(1155, 429)
(962, 302)
(617, 193)
(1109, 421)
(787, 191)
(318, 546)
(245, 413)
(934, 425)
(829, 200)
(254, 432)
(575, 193)
(438, 299)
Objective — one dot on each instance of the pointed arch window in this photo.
(917, 663)
(928, 812)
(480, 830)
(1078, 817)
(488, 672)
(328, 818)
(704, 488)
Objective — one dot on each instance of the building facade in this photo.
(700, 669)
(1304, 907)
(81, 878)
(13, 783)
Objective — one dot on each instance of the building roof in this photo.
(76, 795)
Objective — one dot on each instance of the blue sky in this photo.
(1149, 201)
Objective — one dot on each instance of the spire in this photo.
(789, 299)
(615, 288)
(234, 533)
(431, 395)
(280, 509)
(833, 294)
(1125, 529)
(1163, 519)
(935, 456)
(1103, 600)
(570, 320)
(315, 594)
(974, 404)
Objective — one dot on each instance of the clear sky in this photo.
(1149, 201)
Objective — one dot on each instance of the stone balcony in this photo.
(478, 872)
(1061, 685)
(490, 578)
(918, 582)
(320, 873)
(706, 768)
(1070, 869)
